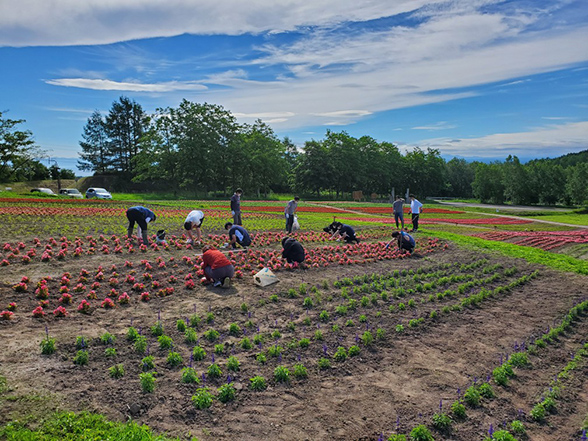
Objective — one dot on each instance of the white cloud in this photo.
(540, 142)
(101, 84)
(89, 22)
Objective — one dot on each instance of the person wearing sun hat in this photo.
(217, 268)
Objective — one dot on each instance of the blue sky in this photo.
(472, 78)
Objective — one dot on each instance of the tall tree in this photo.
(125, 124)
(488, 184)
(460, 176)
(95, 155)
(17, 148)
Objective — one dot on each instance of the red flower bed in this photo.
(546, 240)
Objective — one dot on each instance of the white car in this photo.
(43, 190)
(71, 192)
(99, 193)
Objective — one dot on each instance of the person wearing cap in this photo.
(293, 251)
(290, 213)
(405, 241)
(237, 235)
(193, 223)
(217, 268)
(236, 206)
(142, 216)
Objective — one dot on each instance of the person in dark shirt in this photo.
(142, 216)
(405, 241)
(237, 235)
(346, 232)
(236, 206)
(293, 251)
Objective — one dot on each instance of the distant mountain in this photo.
(565, 161)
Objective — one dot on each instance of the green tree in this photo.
(460, 176)
(125, 125)
(517, 182)
(577, 183)
(95, 155)
(488, 184)
(17, 148)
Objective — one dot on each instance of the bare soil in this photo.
(391, 386)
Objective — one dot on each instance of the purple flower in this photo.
(131, 321)
(491, 430)
(191, 360)
(440, 405)
(458, 392)
(159, 315)
(229, 379)
(203, 377)
(584, 438)
(299, 357)
(213, 358)
(397, 423)
(249, 314)
(47, 331)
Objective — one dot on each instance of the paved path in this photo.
(502, 207)
(464, 204)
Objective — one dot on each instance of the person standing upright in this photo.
(398, 213)
(236, 206)
(416, 208)
(290, 212)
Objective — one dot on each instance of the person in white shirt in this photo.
(193, 223)
(416, 208)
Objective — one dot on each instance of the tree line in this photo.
(200, 149)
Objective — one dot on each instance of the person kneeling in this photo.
(405, 241)
(217, 268)
(293, 251)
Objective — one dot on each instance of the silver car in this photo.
(71, 192)
(99, 193)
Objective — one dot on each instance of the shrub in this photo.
(258, 383)
(214, 371)
(324, 363)
(226, 393)
(165, 342)
(147, 380)
(233, 364)
(353, 351)
(421, 433)
(340, 354)
(47, 346)
(81, 358)
(202, 399)
(442, 422)
(116, 371)
(282, 374)
(458, 410)
(174, 359)
(300, 371)
(190, 376)
(147, 363)
(472, 396)
(198, 353)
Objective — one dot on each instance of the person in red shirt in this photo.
(217, 267)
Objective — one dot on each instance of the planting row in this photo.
(546, 240)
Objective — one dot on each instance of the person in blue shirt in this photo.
(237, 235)
(142, 216)
(405, 241)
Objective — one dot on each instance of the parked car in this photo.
(99, 193)
(43, 190)
(71, 192)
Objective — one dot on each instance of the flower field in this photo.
(546, 240)
(366, 343)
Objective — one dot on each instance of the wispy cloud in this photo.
(101, 84)
(90, 22)
(542, 141)
(442, 125)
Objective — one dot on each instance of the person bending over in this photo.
(217, 268)
(405, 241)
(142, 216)
(193, 223)
(345, 232)
(237, 235)
(293, 251)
